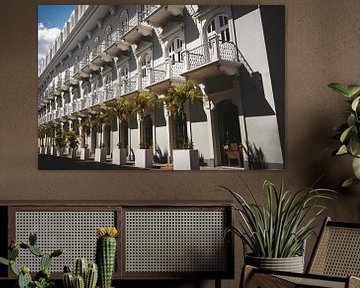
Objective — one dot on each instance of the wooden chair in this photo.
(334, 263)
(234, 153)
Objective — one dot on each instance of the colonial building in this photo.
(234, 53)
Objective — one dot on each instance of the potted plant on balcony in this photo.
(101, 119)
(86, 125)
(348, 132)
(121, 109)
(185, 157)
(71, 138)
(275, 233)
(144, 103)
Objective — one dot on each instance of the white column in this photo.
(169, 134)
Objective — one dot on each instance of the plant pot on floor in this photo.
(290, 264)
(60, 151)
(119, 156)
(186, 159)
(143, 158)
(53, 150)
(84, 153)
(72, 153)
(100, 155)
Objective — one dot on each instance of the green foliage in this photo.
(279, 229)
(42, 278)
(143, 104)
(175, 100)
(348, 132)
(71, 138)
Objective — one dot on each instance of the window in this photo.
(145, 64)
(175, 50)
(123, 22)
(219, 25)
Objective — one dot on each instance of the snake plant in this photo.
(279, 228)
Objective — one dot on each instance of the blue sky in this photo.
(51, 19)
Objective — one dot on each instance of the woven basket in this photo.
(291, 264)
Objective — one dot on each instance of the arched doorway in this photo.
(228, 132)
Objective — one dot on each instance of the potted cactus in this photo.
(42, 278)
(84, 275)
(106, 254)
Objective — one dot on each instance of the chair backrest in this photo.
(337, 251)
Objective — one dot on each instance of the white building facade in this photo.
(108, 52)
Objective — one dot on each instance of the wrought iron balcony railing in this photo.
(212, 51)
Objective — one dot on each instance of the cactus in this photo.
(91, 276)
(45, 261)
(68, 280)
(80, 267)
(32, 239)
(79, 282)
(105, 254)
(90, 272)
(24, 278)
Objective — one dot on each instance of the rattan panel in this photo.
(175, 241)
(338, 253)
(75, 231)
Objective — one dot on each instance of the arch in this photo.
(218, 25)
(228, 128)
(175, 48)
(123, 22)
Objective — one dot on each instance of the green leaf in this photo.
(349, 182)
(351, 120)
(345, 134)
(353, 89)
(342, 150)
(355, 103)
(340, 88)
(4, 261)
(356, 167)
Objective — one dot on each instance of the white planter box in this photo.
(186, 159)
(119, 156)
(60, 151)
(84, 153)
(143, 158)
(100, 155)
(53, 150)
(72, 153)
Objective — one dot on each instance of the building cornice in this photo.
(63, 50)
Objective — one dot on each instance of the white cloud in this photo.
(46, 39)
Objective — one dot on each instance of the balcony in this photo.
(78, 73)
(68, 79)
(213, 59)
(162, 76)
(86, 66)
(98, 57)
(117, 44)
(137, 29)
(51, 93)
(160, 14)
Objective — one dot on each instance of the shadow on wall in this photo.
(255, 157)
(252, 92)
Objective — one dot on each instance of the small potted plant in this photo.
(275, 233)
(71, 138)
(176, 100)
(348, 132)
